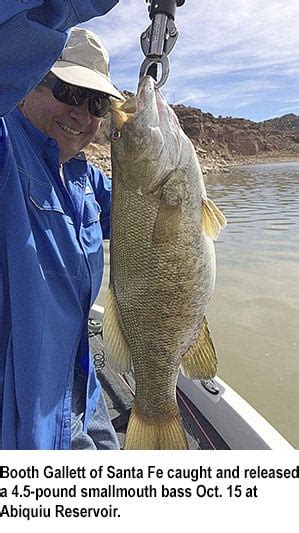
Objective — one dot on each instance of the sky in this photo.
(235, 58)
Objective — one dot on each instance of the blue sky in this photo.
(233, 57)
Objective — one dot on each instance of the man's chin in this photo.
(69, 148)
(69, 152)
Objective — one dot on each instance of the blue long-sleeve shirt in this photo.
(51, 257)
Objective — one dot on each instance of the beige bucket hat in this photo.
(85, 63)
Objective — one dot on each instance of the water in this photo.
(254, 313)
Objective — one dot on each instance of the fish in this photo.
(162, 265)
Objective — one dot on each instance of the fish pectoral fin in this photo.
(117, 351)
(167, 223)
(200, 361)
(143, 434)
(212, 220)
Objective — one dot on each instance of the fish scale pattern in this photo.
(160, 292)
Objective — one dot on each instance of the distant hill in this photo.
(288, 124)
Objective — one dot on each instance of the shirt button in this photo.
(53, 142)
(67, 423)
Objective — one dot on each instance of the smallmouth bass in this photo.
(162, 265)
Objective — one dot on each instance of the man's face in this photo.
(73, 127)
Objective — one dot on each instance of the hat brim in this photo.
(85, 77)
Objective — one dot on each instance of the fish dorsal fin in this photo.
(117, 351)
(200, 361)
(212, 220)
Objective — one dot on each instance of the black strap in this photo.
(167, 7)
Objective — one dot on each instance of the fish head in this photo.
(146, 140)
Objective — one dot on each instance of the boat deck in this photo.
(119, 395)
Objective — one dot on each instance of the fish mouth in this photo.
(125, 113)
(151, 101)
(147, 99)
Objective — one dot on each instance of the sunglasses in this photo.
(98, 103)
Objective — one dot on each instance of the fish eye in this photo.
(115, 135)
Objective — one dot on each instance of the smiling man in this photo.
(55, 212)
(71, 100)
(70, 123)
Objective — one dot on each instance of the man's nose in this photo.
(81, 113)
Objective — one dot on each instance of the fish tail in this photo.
(147, 434)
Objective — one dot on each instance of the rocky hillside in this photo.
(287, 124)
(232, 139)
(222, 141)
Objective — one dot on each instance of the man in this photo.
(54, 212)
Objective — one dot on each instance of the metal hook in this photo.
(148, 62)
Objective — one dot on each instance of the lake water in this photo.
(254, 313)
